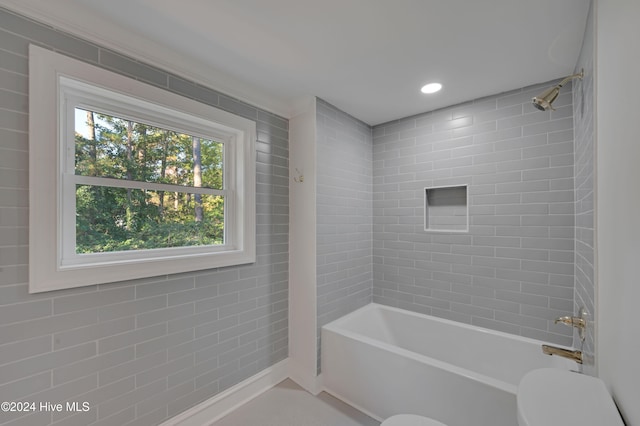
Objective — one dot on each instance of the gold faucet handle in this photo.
(579, 322)
(572, 321)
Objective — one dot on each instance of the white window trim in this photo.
(53, 79)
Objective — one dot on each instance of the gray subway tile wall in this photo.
(344, 214)
(583, 103)
(513, 271)
(144, 350)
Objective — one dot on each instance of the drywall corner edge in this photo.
(302, 246)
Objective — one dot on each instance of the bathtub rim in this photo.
(336, 326)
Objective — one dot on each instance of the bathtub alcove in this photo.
(386, 361)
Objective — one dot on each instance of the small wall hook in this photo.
(299, 178)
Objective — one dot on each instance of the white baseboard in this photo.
(306, 380)
(213, 409)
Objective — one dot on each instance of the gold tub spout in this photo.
(565, 353)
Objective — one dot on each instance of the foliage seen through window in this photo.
(112, 218)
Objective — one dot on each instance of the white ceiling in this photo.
(367, 57)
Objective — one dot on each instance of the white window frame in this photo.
(57, 84)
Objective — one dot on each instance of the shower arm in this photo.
(571, 77)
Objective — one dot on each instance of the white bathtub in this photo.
(387, 361)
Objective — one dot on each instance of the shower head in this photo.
(545, 100)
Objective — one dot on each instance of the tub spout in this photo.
(565, 353)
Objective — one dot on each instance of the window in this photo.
(129, 181)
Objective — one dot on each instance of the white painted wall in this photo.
(618, 201)
(302, 247)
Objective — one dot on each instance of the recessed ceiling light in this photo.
(431, 88)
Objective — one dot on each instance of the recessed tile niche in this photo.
(446, 209)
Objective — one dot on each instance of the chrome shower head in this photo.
(544, 101)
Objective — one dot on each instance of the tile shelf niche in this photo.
(446, 209)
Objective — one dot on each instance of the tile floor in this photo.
(287, 404)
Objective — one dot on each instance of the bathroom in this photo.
(137, 358)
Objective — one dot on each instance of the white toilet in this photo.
(551, 396)
(410, 420)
